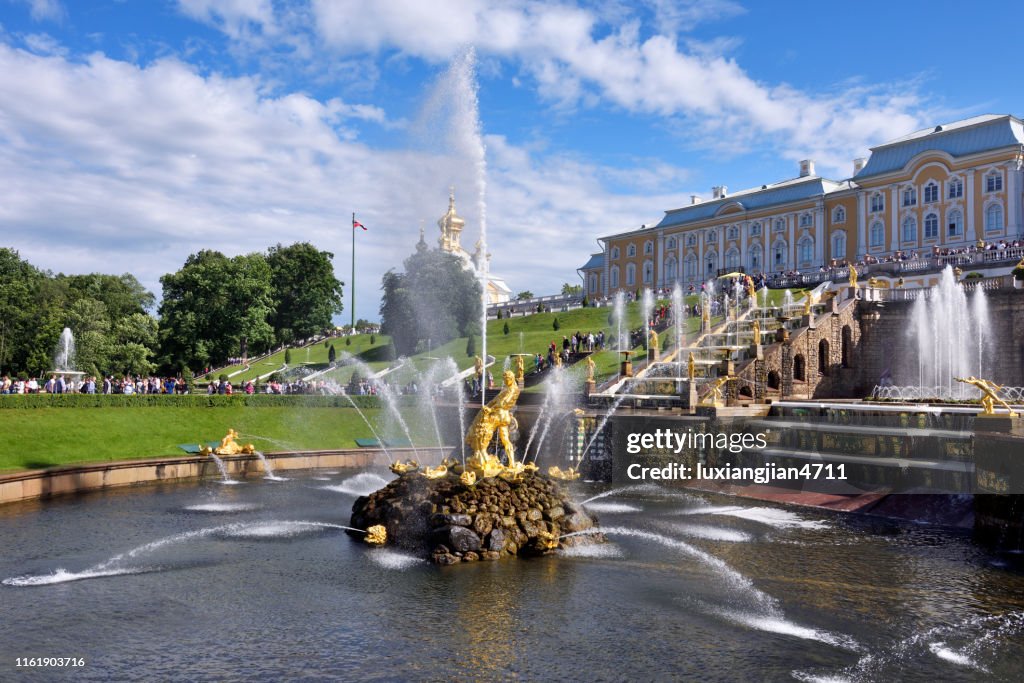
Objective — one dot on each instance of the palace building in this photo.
(451, 226)
(945, 187)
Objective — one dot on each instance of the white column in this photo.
(894, 243)
(744, 236)
(721, 247)
(791, 264)
(701, 275)
(658, 281)
(862, 225)
(1013, 200)
(819, 235)
(972, 236)
(680, 250)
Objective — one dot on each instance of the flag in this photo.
(357, 224)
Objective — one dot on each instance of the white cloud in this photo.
(45, 10)
(112, 167)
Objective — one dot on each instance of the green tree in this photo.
(568, 289)
(436, 298)
(306, 293)
(555, 325)
(288, 357)
(215, 307)
(90, 324)
(505, 329)
(471, 345)
(373, 339)
(331, 354)
(20, 284)
(524, 295)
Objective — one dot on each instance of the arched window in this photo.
(994, 182)
(955, 222)
(847, 347)
(648, 272)
(779, 255)
(615, 277)
(630, 274)
(956, 188)
(931, 192)
(732, 259)
(671, 243)
(877, 234)
(839, 215)
(909, 229)
(690, 267)
(733, 233)
(615, 252)
(877, 202)
(839, 245)
(994, 218)
(805, 250)
(631, 250)
(710, 263)
(710, 236)
(931, 226)
(799, 367)
(670, 268)
(756, 258)
(824, 362)
(648, 247)
(691, 240)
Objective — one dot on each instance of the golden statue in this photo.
(757, 333)
(715, 396)
(478, 366)
(435, 472)
(495, 416)
(520, 370)
(377, 535)
(401, 468)
(751, 292)
(568, 474)
(558, 360)
(590, 368)
(808, 300)
(228, 446)
(468, 478)
(691, 367)
(853, 276)
(652, 340)
(705, 314)
(989, 397)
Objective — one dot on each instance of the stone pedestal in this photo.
(756, 352)
(588, 387)
(626, 369)
(653, 355)
(692, 398)
(807, 321)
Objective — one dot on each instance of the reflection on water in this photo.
(259, 582)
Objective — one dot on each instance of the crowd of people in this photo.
(87, 384)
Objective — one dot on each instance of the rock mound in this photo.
(450, 522)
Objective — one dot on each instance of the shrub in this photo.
(223, 377)
(331, 354)
(555, 325)
(348, 341)
(471, 345)
(373, 339)
(506, 328)
(287, 356)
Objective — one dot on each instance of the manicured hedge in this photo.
(189, 401)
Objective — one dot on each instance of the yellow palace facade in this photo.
(945, 187)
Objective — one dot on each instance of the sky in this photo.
(136, 132)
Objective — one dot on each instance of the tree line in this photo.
(213, 308)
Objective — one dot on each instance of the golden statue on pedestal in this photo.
(478, 366)
(520, 370)
(705, 315)
(989, 397)
(495, 416)
(808, 300)
(691, 367)
(853, 276)
(228, 446)
(751, 292)
(652, 340)
(757, 333)
(590, 364)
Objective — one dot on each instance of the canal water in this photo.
(257, 581)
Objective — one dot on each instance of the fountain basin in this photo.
(449, 522)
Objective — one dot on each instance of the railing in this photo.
(984, 258)
(561, 302)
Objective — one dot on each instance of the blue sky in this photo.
(133, 133)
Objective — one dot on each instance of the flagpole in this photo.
(352, 287)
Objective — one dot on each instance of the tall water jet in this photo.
(678, 316)
(949, 337)
(647, 303)
(619, 315)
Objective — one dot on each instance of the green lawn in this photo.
(314, 355)
(57, 436)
